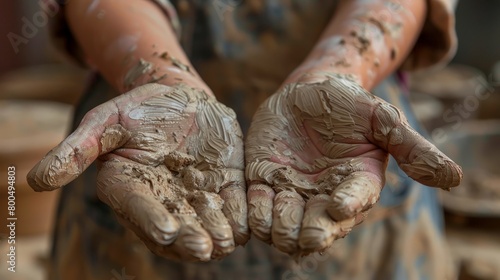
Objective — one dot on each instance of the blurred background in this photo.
(458, 105)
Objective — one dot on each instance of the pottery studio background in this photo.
(458, 105)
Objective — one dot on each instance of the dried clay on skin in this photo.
(337, 112)
(309, 141)
(210, 161)
(142, 67)
(331, 110)
(187, 176)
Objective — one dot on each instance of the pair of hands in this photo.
(174, 169)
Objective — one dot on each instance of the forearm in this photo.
(366, 39)
(130, 43)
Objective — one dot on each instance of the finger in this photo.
(288, 212)
(260, 211)
(357, 192)
(97, 134)
(318, 230)
(132, 201)
(421, 160)
(193, 242)
(230, 185)
(361, 217)
(121, 184)
(208, 207)
(235, 209)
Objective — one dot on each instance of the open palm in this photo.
(171, 167)
(316, 156)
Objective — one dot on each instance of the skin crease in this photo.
(172, 156)
(324, 137)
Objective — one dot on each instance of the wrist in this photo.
(341, 55)
(366, 40)
(163, 69)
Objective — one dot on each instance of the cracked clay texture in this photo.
(175, 156)
(324, 145)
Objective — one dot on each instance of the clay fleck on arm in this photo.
(366, 40)
(130, 43)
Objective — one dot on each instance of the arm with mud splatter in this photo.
(171, 156)
(317, 150)
(365, 40)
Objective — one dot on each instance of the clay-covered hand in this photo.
(316, 155)
(171, 168)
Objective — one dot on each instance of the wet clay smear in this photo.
(177, 63)
(306, 128)
(142, 67)
(194, 152)
(325, 145)
(168, 166)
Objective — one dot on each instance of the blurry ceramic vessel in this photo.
(460, 89)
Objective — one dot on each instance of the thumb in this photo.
(98, 133)
(418, 158)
